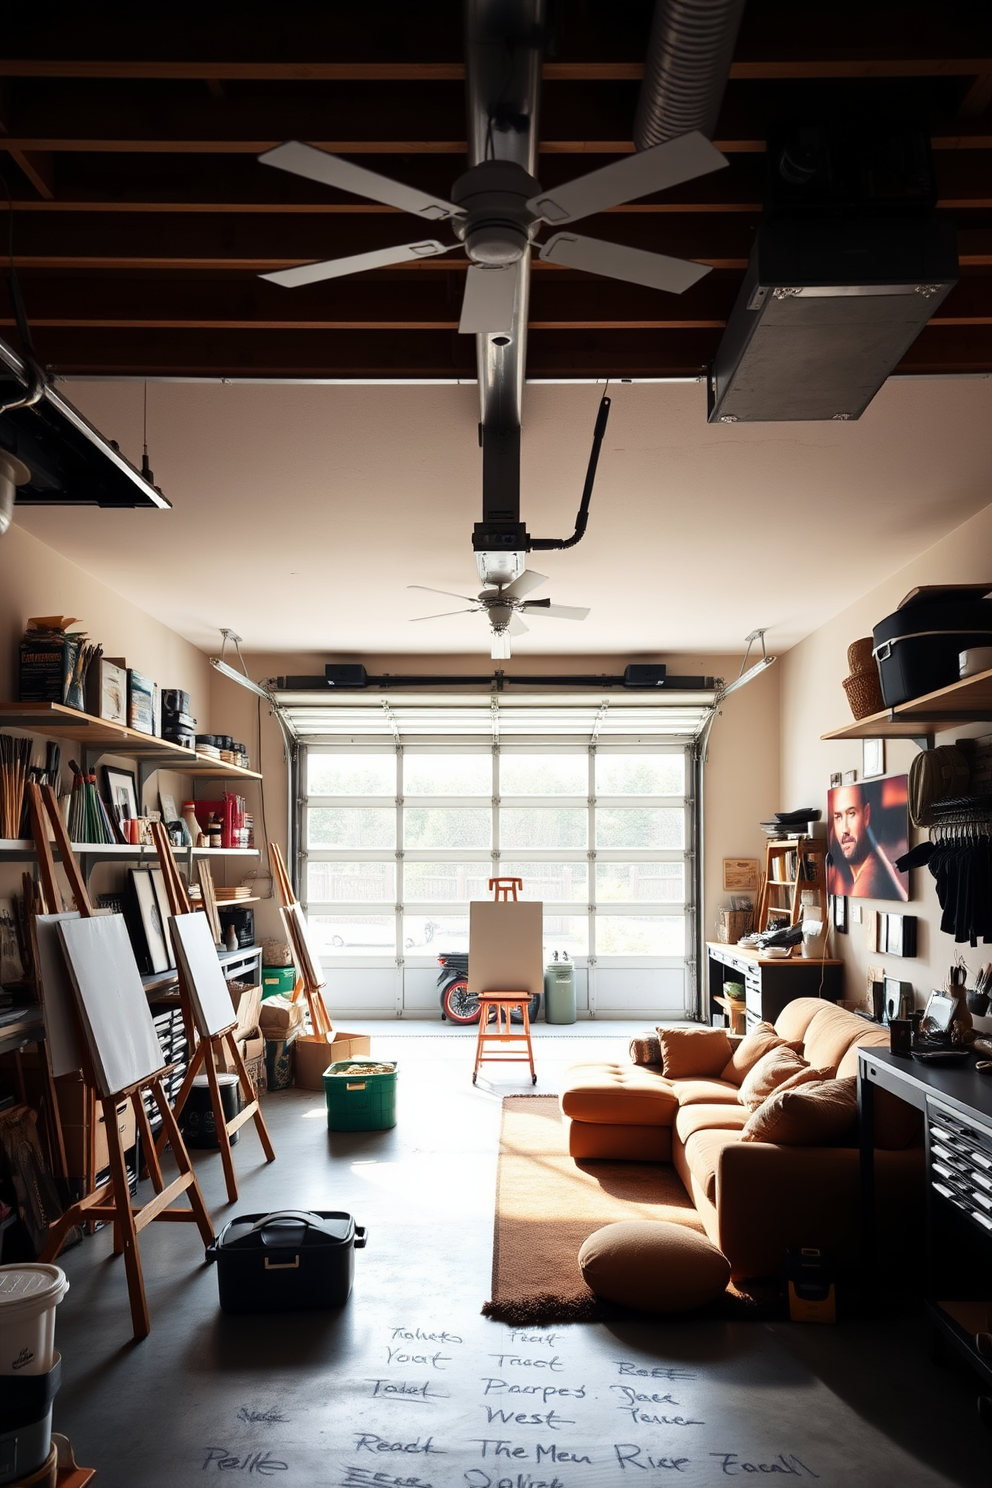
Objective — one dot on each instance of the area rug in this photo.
(547, 1204)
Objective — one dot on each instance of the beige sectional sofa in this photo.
(757, 1199)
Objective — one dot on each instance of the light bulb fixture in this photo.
(220, 665)
(748, 676)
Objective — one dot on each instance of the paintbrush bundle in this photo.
(15, 761)
(88, 819)
(48, 774)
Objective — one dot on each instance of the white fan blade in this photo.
(517, 627)
(442, 616)
(558, 612)
(527, 581)
(331, 170)
(490, 295)
(625, 180)
(451, 595)
(500, 649)
(336, 268)
(614, 261)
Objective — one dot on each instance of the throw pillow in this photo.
(771, 1071)
(693, 1052)
(807, 1117)
(750, 1049)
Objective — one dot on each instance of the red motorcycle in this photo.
(458, 1004)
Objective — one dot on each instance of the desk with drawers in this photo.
(957, 1255)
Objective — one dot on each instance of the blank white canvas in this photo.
(58, 1002)
(306, 944)
(164, 910)
(213, 1010)
(113, 1008)
(505, 946)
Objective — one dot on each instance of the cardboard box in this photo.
(247, 1000)
(76, 1136)
(313, 1055)
(279, 1017)
(251, 1046)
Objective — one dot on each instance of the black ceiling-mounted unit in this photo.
(826, 312)
(850, 263)
(70, 462)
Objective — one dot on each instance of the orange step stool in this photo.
(514, 1042)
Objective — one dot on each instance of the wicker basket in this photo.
(733, 924)
(859, 655)
(864, 693)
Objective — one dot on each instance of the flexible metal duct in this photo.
(685, 71)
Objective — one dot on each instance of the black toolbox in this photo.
(918, 645)
(290, 1260)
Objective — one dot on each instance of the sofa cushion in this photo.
(688, 1052)
(749, 1051)
(808, 1117)
(703, 1151)
(704, 1092)
(653, 1265)
(771, 1071)
(618, 1095)
(723, 1117)
(830, 1034)
(794, 1019)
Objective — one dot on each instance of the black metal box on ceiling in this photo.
(827, 309)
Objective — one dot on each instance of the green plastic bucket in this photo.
(359, 1101)
(278, 981)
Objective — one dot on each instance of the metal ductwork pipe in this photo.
(686, 68)
(12, 475)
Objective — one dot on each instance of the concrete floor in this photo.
(409, 1387)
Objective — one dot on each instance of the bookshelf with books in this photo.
(792, 865)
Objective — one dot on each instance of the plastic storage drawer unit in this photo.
(360, 1095)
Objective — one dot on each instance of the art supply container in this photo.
(278, 981)
(199, 1126)
(26, 1425)
(360, 1095)
(559, 992)
(29, 1294)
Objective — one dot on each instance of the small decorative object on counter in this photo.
(192, 825)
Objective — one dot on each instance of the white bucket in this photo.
(29, 1295)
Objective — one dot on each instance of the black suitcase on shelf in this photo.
(917, 646)
(290, 1260)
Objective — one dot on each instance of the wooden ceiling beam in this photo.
(434, 72)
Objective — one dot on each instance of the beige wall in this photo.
(35, 580)
(814, 703)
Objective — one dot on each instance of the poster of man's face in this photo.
(867, 829)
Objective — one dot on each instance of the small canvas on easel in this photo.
(210, 1000)
(57, 998)
(505, 946)
(113, 1008)
(306, 954)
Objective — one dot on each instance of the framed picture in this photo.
(778, 919)
(873, 758)
(120, 790)
(836, 780)
(149, 922)
(840, 914)
(740, 873)
(850, 777)
(868, 829)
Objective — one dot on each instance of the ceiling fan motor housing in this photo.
(497, 225)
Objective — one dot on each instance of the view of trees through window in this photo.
(398, 843)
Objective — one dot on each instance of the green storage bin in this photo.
(359, 1102)
(278, 981)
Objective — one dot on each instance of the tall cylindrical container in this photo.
(559, 992)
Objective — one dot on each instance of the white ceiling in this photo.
(301, 513)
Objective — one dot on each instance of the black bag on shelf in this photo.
(917, 646)
(288, 1261)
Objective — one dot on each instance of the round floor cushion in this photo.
(653, 1266)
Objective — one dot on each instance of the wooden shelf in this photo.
(954, 706)
(12, 848)
(116, 738)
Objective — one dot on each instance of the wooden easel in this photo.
(112, 1200)
(505, 889)
(251, 1110)
(308, 982)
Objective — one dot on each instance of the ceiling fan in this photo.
(496, 210)
(504, 607)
